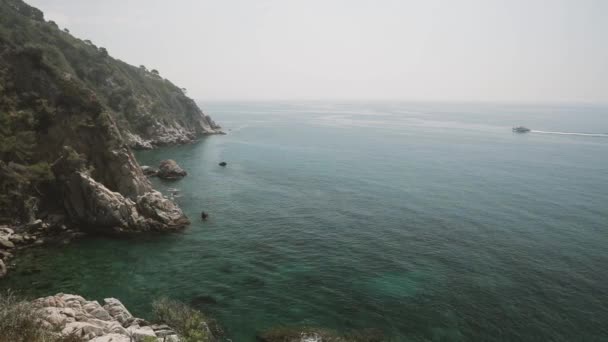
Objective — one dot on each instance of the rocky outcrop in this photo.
(160, 134)
(93, 205)
(168, 169)
(93, 322)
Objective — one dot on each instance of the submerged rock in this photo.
(168, 169)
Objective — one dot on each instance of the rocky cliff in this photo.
(69, 116)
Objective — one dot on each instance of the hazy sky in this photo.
(464, 50)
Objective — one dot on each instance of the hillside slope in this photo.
(69, 114)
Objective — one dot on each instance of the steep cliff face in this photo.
(69, 114)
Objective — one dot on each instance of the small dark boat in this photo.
(521, 129)
(223, 164)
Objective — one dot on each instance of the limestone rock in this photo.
(141, 333)
(83, 329)
(6, 243)
(168, 169)
(118, 311)
(6, 231)
(161, 213)
(112, 338)
(92, 204)
(73, 315)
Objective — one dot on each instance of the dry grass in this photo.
(20, 322)
(191, 325)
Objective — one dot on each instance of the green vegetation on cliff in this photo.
(56, 91)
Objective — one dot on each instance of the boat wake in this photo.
(601, 135)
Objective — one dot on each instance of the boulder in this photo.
(168, 169)
(6, 231)
(6, 243)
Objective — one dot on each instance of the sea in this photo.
(415, 221)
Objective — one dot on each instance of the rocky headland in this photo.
(70, 115)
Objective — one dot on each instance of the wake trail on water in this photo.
(601, 135)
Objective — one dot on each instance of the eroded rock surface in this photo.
(91, 203)
(168, 169)
(93, 322)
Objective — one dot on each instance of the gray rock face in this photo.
(5, 243)
(92, 204)
(169, 169)
(72, 314)
(173, 132)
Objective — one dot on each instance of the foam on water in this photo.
(601, 135)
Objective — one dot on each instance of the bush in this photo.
(191, 325)
(20, 322)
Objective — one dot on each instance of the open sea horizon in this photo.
(422, 221)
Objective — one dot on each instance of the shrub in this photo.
(191, 325)
(308, 334)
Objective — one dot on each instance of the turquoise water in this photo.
(425, 221)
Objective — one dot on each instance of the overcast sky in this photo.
(463, 50)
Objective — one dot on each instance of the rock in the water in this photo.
(168, 169)
(3, 270)
(223, 164)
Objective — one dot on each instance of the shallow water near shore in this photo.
(424, 221)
